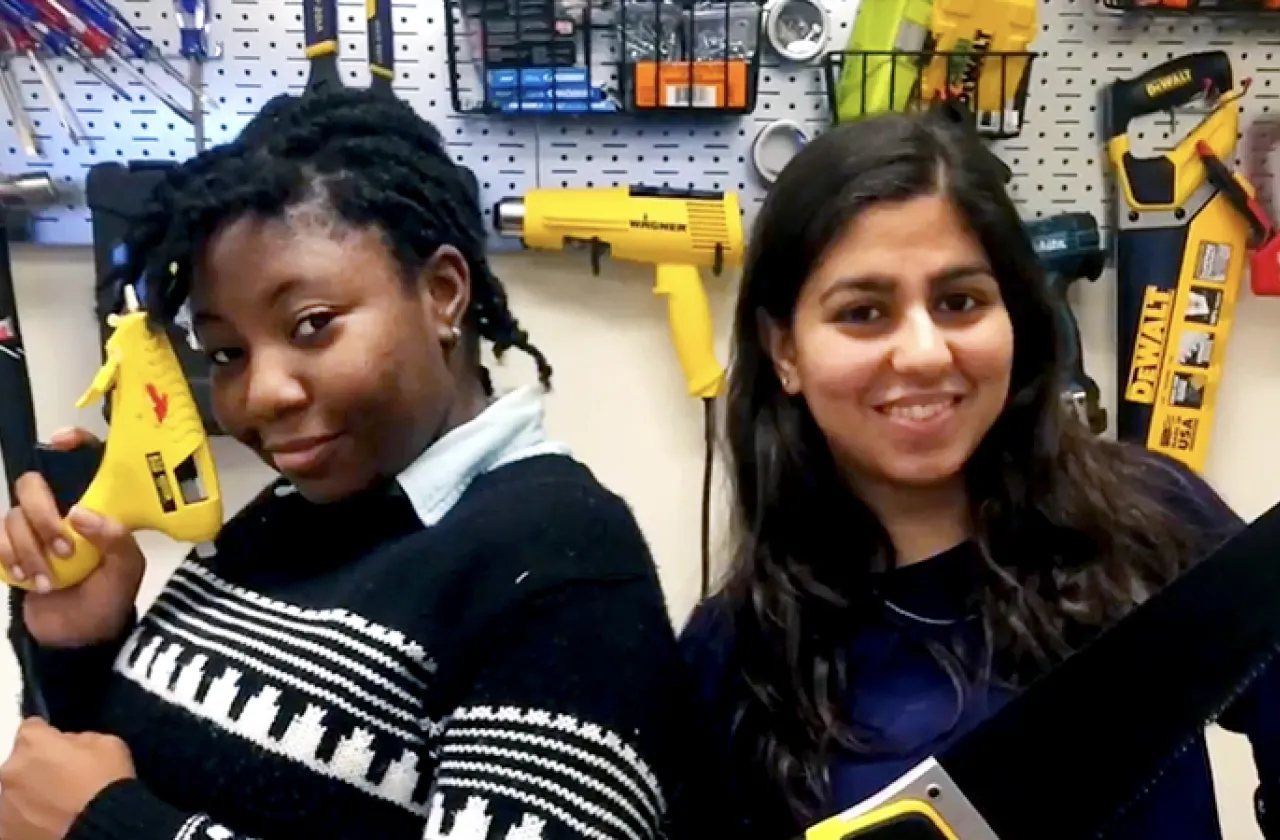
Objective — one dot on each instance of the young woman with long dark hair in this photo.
(922, 527)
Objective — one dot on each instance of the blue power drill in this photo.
(1070, 248)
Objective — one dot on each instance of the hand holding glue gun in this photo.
(68, 537)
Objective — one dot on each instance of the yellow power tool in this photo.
(678, 231)
(155, 471)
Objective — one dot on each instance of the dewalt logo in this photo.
(1164, 84)
(1148, 349)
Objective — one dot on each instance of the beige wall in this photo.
(607, 339)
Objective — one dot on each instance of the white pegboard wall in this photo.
(1057, 161)
(261, 57)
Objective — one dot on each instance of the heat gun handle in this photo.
(691, 329)
(1165, 87)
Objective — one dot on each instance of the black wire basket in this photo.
(574, 57)
(530, 57)
(690, 57)
(1194, 7)
(990, 87)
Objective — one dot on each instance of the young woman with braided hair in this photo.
(401, 636)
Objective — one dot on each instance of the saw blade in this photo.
(1074, 751)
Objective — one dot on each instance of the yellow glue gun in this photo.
(675, 230)
(155, 472)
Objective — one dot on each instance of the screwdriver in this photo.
(101, 46)
(107, 19)
(13, 36)
(57, 42)
(12, 94)
(382, 50)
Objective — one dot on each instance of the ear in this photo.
(445, 285)
(779, 340)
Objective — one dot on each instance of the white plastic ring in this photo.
(808, 46)
(768, 135)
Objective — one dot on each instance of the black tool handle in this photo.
(17, 450)
(17, 410)
(320, 33)
(1165, 87)
(1072, 349)
(382, 55)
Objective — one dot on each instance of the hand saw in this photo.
(1181, 251)
(1134, 697)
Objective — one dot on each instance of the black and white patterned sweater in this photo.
(479, 652)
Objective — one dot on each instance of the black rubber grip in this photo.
(382, 49)
(320, 25)
(1165, 87)
(319, 22)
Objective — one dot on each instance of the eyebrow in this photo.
(880, 284)
(203, 317)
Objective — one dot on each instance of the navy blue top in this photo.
(904, 698)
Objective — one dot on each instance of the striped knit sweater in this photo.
(479, 651)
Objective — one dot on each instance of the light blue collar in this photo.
(509, 429)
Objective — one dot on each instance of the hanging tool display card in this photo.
(1056, 160)
(1179, 349)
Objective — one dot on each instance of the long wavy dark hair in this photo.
(1071, 527)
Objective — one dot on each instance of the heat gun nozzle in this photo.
(508, 217)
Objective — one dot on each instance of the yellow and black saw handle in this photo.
(1173, 84)
(924, 804)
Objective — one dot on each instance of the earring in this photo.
(454, 335)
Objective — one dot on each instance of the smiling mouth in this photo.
(303, 457)
(920, 412)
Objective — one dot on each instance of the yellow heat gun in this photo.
(155, 471)
(678, 231)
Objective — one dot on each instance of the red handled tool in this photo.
(1264, 243)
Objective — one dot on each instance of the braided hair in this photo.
(365, 156)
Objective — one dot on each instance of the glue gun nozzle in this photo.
(131, 303)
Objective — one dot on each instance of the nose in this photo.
(272, 387)
(921, 346)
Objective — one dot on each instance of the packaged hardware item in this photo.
(881, 69)
(693, 57)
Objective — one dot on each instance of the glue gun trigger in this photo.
(103, 380)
